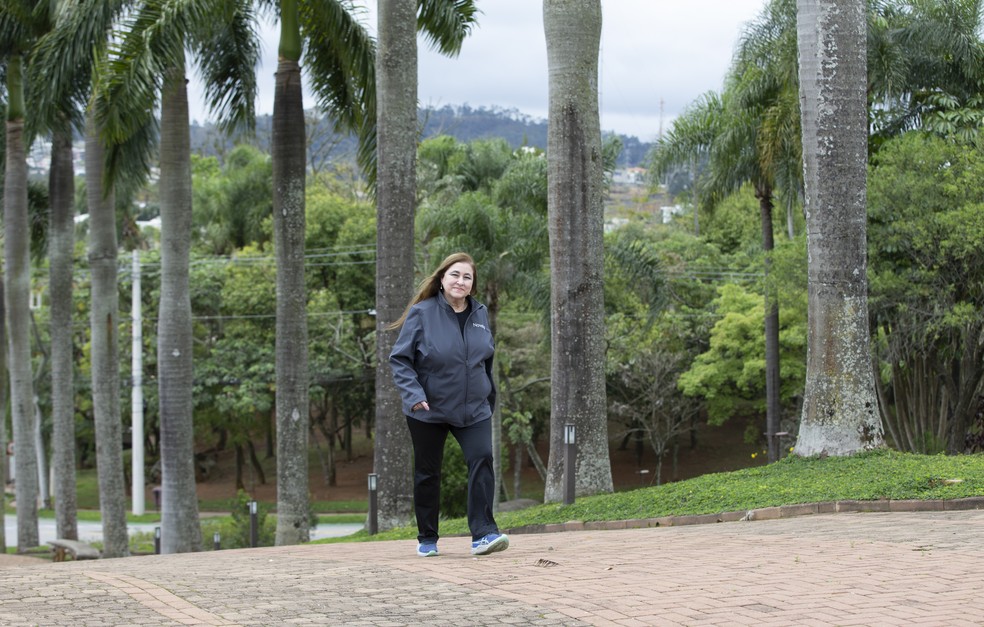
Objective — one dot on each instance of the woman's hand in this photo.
(421, 405)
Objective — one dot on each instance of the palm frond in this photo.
(227, 54)
(639, 262)
(150, 41)
(15, 27)
(692, 135)
(341, 64)
(446, 23)
(129, 160)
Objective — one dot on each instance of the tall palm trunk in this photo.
(104, 323)
(17, 238)
(180, 528)
(772, 407)
(293, 411)
(396, 149)
(3, 422)
(61, 247)
(576, 217)
(840, 412)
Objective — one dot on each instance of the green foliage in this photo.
(926, 277)
(234, 365)
(490, 202)
(734, 225)
(642, 377)
(342, 257)
(730, 375)
(235, 529)
(879, 474)
(926, 224)
(635, 282)
(340, 242)
(523, 366)
(233, 202)
(925, 68)
(517, 426)
(454, 481)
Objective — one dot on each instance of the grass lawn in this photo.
(881, 474)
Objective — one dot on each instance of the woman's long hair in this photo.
(432, 284)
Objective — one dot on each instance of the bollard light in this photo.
(157, 540)
(570, 455)
(254, 527)
(216, 541)
(373, 522)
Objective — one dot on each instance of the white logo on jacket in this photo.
(480, 326)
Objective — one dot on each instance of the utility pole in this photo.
(660, 136)
(136, 396)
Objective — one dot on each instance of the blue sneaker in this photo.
(491, 543)
(427, 549)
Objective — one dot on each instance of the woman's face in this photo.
(458, 280)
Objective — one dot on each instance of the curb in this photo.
(764, 513)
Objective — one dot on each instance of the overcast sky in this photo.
(651, 51)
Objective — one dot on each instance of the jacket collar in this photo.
(443, 302)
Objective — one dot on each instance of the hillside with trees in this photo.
(462, 122)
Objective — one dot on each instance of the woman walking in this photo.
(442, 365)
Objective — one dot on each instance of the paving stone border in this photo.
(763, 513)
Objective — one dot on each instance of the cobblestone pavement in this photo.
(829, 569)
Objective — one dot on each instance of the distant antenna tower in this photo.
(660, 119)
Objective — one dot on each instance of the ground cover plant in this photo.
(873, 475)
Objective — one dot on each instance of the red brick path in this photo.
(881, 568)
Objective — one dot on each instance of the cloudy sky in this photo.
(652, 51)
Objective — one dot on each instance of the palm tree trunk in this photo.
(840, 409)
(61, 247)
(396, 148)
(772, 408)
(3, 423)
(104, 324)
(576, 216)
(180, 527)
(17, 238)
(289, 160)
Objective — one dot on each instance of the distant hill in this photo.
(462, 122)
(466, 124)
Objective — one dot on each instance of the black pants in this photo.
(428, 456)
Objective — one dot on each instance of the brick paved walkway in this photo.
(830, 569)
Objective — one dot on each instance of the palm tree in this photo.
(104, 325)
(688, 143)
(343, 79)
(61, 89)
(61, 248)
(446, 23)
(56, 119)
(288, 153)
(17, 301)
(576, 215)
(396, 149)
(56, 112)
(180, 527)
(760, 144)
(750, 134)
(3, 423)
(150, 60)
(840, 411)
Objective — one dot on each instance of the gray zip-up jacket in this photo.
(432, 362)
